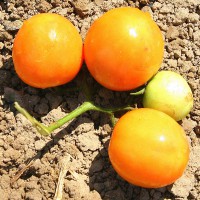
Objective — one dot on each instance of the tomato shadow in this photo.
(104, 180)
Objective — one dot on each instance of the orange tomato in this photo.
(47, 51)
(123, 49)
(148, 148)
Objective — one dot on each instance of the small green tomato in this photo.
(170, 93)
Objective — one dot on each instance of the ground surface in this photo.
(86, 139)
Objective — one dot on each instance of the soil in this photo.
(30, 163)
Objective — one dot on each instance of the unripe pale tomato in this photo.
(47, 51)
(169, 92)
(123, 49)
(148, 148)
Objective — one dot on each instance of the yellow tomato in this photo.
(47, 51)
(148, 148)
(123, 49)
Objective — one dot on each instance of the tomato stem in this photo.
(42, 129)
(140, 92)
(86, 106)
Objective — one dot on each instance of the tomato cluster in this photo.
(119, 51)
(123, 50)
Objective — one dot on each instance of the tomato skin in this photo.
(47, 51)
(148, 148)
(123, 48)
(169, 92)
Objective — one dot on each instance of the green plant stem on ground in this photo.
(86, 106)
(140, 92)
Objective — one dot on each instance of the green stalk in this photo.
(86, 106)
(42, 129)
(140, 92)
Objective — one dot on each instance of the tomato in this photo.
(148, 148)
(123, 49)
(169, 92)
(47, 51)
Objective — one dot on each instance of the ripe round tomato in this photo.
(123, 49)
(47, 51)
(148, 148)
